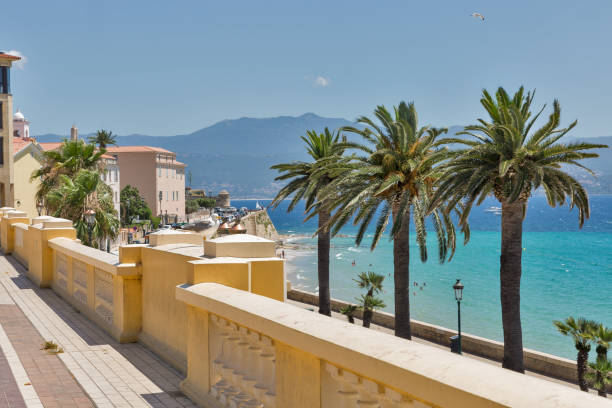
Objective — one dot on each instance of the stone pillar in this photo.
(127, 300)
(197, 384)
(41, 255)
(8, 234)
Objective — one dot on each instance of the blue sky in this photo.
(165, 68)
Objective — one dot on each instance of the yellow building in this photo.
(27, 157)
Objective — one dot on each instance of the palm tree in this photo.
(397, 174)
(508, 160)
(600, 376)
(85, 191)
(581, 331)
(71, 157)
(307, 180)
(372, 282)
(349, 311)
(603, 337)
(103, 138)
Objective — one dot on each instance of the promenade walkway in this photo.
(93, 370)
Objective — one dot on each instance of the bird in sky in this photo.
(478, 15)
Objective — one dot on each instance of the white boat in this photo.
(494, 209)
(258, 206)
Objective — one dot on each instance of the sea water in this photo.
(567, 271)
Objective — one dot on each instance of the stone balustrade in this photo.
(216, 311)
(246, 350)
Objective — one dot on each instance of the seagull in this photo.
(478, 15)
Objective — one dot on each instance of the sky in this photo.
(165, 68)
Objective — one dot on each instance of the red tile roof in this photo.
(136, 149)
(50, 145)
(20, 143)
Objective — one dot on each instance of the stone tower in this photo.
(6, 131)
(21, 126)
(74, 133)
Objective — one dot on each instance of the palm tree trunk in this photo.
(401, 276)
(367, 317)
(510, 284)
(581, 362)
(323, 264)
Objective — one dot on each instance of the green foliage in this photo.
(506, 157)
(207, 202)
(349, 311)
(599, 376)
(372, 283)
(396, 174)
(85, 191)
(156, 221)
(133, 205)
(191, 206)
(580, 330)
(103, 138)
(309, 178)
(67, 160)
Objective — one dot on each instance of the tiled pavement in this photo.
(109, 374)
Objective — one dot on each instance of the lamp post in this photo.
(458, 288)
(161, 196)
(39, 207)
(90, 219)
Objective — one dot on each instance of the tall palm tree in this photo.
(85, 191)
(581, 331)
(396, 175)
(67, 160)
(507, 159)
(372, 282)
(307, 180)
(103, 138)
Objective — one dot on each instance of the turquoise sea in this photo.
(566, 270)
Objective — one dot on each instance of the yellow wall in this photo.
(25, 190)
(164, 320)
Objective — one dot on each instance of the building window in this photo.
(166, 196)
(166, 171)
(0, 115)
(1, 150)
(5, 80)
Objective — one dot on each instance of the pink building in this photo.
(157, 175)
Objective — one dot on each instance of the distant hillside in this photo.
(237, 154)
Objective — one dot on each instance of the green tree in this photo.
(372, 282)
(397, 174)
(67, 160)
(602, 336)
(191, 206)
(581, 331)
(103, 138)
(133, 205)
(85, 191)
(508, 158)
(600, 376)
(307, 181)
(349, 311)
(207, 202)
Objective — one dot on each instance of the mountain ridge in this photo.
(236, 154)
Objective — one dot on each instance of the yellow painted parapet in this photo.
(40, 262)
(7, 232)
(240, 246)
(249, 350)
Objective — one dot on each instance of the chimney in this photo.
(74, 133)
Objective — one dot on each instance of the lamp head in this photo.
(458, 288)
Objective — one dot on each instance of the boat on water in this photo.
(493, 209)
(258, 206)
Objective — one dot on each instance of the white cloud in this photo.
(322, 81)
(18, 64)
(319, 81)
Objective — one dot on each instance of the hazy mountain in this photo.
(237, 154)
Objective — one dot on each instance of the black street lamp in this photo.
(161, 213)
(39, 207)
(90, 220)
(458, 288)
